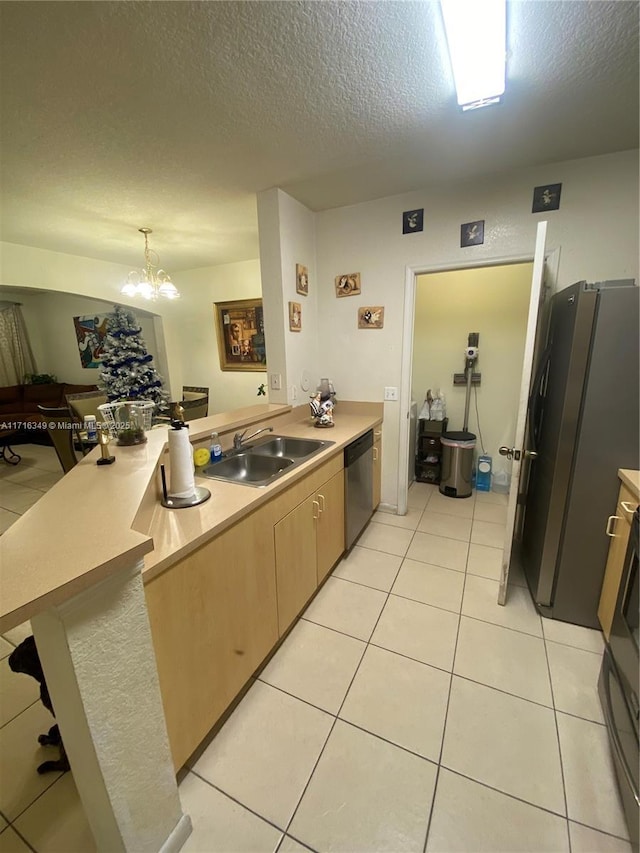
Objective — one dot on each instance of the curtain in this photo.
(16, 357)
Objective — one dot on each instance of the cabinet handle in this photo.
(375, 454)
(378, 432)
(321, 499)
(628, 507)
(316, 510)
(610, 522)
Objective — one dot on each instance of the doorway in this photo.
(493, 301)
(442, 305)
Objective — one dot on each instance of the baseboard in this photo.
(388, 507)
(178, 835)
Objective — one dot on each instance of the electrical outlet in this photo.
(275, 382)
(390, 393)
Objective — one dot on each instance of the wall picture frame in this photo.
(371, 317)
(413, 221)
(295, 317)
(302, 280)
(91, 331)
(546, 197)
(348, 284)
(240, 332)
(472, 233)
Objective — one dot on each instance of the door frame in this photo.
(552, 262)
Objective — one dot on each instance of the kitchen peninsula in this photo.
(234, 571)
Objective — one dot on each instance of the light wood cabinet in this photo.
(330, 524)
(377, 467)
(216, 614)
(308, 542)
(213, 621)
(619, 528)
(296, 560)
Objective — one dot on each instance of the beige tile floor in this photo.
(405, 711)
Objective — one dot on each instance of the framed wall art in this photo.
(348, 285)
(302, 280)
(371, 317)
(546, 198)
(240, 334)
(412, 221)
(90, 333)
(472, 233)
(295, 317)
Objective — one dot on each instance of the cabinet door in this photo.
(295, 545)
(615, 559)
(377, 468)
(213, 621)
(330, 527)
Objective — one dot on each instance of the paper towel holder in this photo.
(199, 496)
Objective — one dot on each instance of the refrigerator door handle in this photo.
(610, 525)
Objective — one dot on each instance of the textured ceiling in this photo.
(172, 115)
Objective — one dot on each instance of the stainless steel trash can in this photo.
(457, 463)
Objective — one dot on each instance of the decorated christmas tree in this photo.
(128, 372)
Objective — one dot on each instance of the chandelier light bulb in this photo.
(149, 283)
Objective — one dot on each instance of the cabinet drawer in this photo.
(429, 442)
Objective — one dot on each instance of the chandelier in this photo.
(150, 282)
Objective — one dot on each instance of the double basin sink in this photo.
(262, 464)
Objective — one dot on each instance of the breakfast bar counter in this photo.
(96, 520)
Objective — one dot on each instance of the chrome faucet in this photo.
(239, 439)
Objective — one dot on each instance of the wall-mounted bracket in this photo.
(461, 378)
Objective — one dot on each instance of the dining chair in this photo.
(85, 404)
(60, 430)
(195, 402)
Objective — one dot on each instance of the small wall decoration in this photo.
(412, 221)
(240, 333)
(302, 280)
(295, 317)
(472, 233)
(90, 334)
(348, 285)
(371, 317)
(546, 198)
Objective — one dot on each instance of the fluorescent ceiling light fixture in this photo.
(477, 39)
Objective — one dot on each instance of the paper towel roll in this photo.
(181, 480)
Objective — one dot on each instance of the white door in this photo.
(517, 451)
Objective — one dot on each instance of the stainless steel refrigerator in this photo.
(583, 425)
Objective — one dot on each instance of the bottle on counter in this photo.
(216, 447)
(91, 427)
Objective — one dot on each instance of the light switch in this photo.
(275, 382)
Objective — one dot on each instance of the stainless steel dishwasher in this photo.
(358, 486)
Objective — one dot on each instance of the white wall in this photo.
(287, 238)
(596, 229)
(493, 301)
(49, 317)
(194, 317)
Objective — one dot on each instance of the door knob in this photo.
(509, 452)
(531, 454)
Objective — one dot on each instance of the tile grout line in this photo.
(446, 712)
(344, 698)
(22, 710)
(555, 720)
(234, 800)
(20, 836)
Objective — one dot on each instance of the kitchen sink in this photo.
(262, 464)
(295, 448)
(250, 468)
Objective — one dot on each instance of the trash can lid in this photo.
(458, 439)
